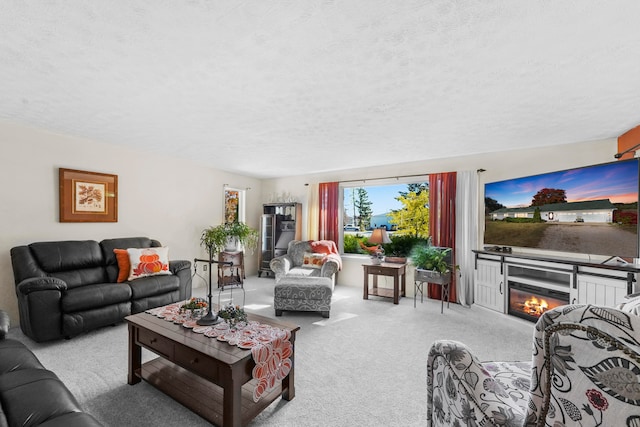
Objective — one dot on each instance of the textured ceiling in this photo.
(276, 88)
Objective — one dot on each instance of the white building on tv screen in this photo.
(593, 211)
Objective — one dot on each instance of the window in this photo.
(400, 208)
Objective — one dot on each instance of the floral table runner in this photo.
(270, 346)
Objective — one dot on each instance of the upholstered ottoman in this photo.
(303, 294)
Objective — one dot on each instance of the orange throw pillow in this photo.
(124, 265)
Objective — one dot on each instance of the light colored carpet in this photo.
(365, 366)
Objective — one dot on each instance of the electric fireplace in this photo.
(529, 302)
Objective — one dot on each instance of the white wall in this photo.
(160, 197)
(498, 166)
(173, 200)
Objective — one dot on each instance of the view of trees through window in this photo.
(401, 209)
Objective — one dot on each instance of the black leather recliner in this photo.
(67, 288)
(30, 395)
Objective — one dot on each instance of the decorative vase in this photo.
(232, 244)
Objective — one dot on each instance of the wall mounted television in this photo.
(590, 210)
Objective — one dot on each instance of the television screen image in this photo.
(590, 210)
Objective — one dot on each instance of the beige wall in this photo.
(498, 166)
(172, 200)
(160, 197)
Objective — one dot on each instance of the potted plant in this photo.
(225, 236)
(400, 247)
(232, 314)
(433, 264)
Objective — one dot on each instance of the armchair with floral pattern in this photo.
(585, 371)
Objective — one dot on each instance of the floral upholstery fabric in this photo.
(585, 371)
(587, 368)
(464, 392)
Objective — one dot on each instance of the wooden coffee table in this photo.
(210, 377)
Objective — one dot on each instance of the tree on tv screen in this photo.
(549, 195)
(492, 205)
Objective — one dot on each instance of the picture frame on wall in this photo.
(233, 205)
(88, 196)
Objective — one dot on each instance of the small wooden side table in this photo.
(397, 271)
(231, 274)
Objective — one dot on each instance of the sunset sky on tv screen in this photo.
(616, 181)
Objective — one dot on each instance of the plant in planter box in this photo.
(216, 239)
(432, 263)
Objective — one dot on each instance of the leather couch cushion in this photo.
(5, 323)
(15, 356)
(75, 262)
(153, 285)
(93, 296)
(86, 276)
(143, 304)
(67, 255)
(72, 419)
(84, 321)
(32, 396)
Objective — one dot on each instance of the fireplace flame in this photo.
(535, 306)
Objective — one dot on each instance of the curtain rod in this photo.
(634, 148)
(386, 177)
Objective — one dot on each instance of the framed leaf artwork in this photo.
(88, 196)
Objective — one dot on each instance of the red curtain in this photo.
(442, 222)
(329, 211)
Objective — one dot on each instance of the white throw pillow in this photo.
(312, 260)
(148, 262)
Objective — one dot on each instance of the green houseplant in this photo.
(216, 239)
(399, 249)
(433, 264)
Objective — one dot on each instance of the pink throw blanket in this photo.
(328, 248)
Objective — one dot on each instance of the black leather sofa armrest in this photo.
(36, 284)
(178, 265)
(182, 269)
(5, 322)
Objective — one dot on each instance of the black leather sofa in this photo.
(30, 395)
(67, 288)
